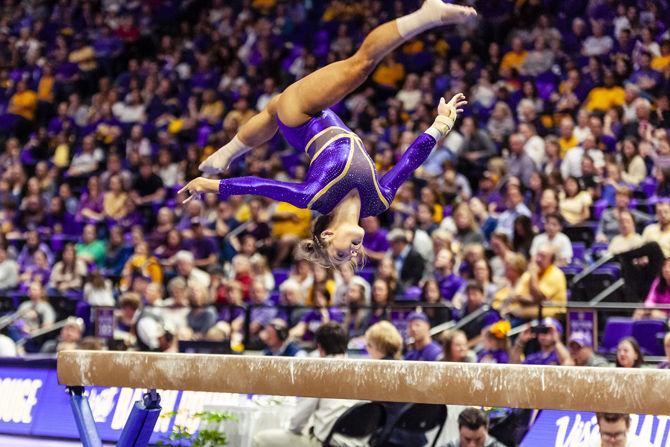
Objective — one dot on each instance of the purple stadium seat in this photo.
(616, 328)
(646, 333)
(578, 251)
(648, 186)
(598, 249)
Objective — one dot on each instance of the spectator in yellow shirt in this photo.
(543, 282)
(24, 102)
(659, 63)
(567, 140)
(516, 56)
(605, 97)
(289, 226)
(389, 73)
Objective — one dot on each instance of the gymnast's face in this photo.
(344, 242)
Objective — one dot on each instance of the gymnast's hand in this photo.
(199, 186)
(448, 112)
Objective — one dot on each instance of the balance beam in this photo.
(620, 390)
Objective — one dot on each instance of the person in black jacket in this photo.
(409, 263)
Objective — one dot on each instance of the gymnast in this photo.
(341, 182)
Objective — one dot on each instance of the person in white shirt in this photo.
(615, 431)
(314, 417)
(552, 235)
(9, 270)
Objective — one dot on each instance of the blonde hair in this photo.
(315, 250)
(385, 337)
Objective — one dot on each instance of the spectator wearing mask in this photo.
(275, 337)
(314, 417)
(423, 347)
(581, 350)
(473, 430)
(614, 430)
(629, 354)
(552, 350)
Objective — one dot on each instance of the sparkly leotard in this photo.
(338, 164)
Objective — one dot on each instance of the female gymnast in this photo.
(341, 182)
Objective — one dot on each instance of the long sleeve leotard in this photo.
(338, 164)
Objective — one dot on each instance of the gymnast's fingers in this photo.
(188, 199)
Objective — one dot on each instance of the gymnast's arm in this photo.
(297, 194)
(421, 148)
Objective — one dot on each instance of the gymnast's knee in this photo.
(272, 106)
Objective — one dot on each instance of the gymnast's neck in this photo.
(348, 211)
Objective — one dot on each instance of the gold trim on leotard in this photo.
(373, 172)
(327, 143)
(334, 181)
(320, 133)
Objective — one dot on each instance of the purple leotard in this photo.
(338, 164)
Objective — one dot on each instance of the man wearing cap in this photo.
(423, 348)
(581, 350)
(408, 263)
(552, 350)
(203, 248)
(276, 339)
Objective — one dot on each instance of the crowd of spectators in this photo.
(107, 107)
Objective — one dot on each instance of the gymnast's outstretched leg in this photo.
(330, 84)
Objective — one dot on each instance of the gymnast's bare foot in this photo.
(448, 13)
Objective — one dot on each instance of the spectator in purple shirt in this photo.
(314, 318)
(495, 343)
(203, 248)
(474, 305)
(32, 245)
(374, 241)
(552, 350)
(262, 311)
(423, 347)
(646, 77)
(448, 282)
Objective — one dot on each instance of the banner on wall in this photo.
(34, 403)
(578, 429)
